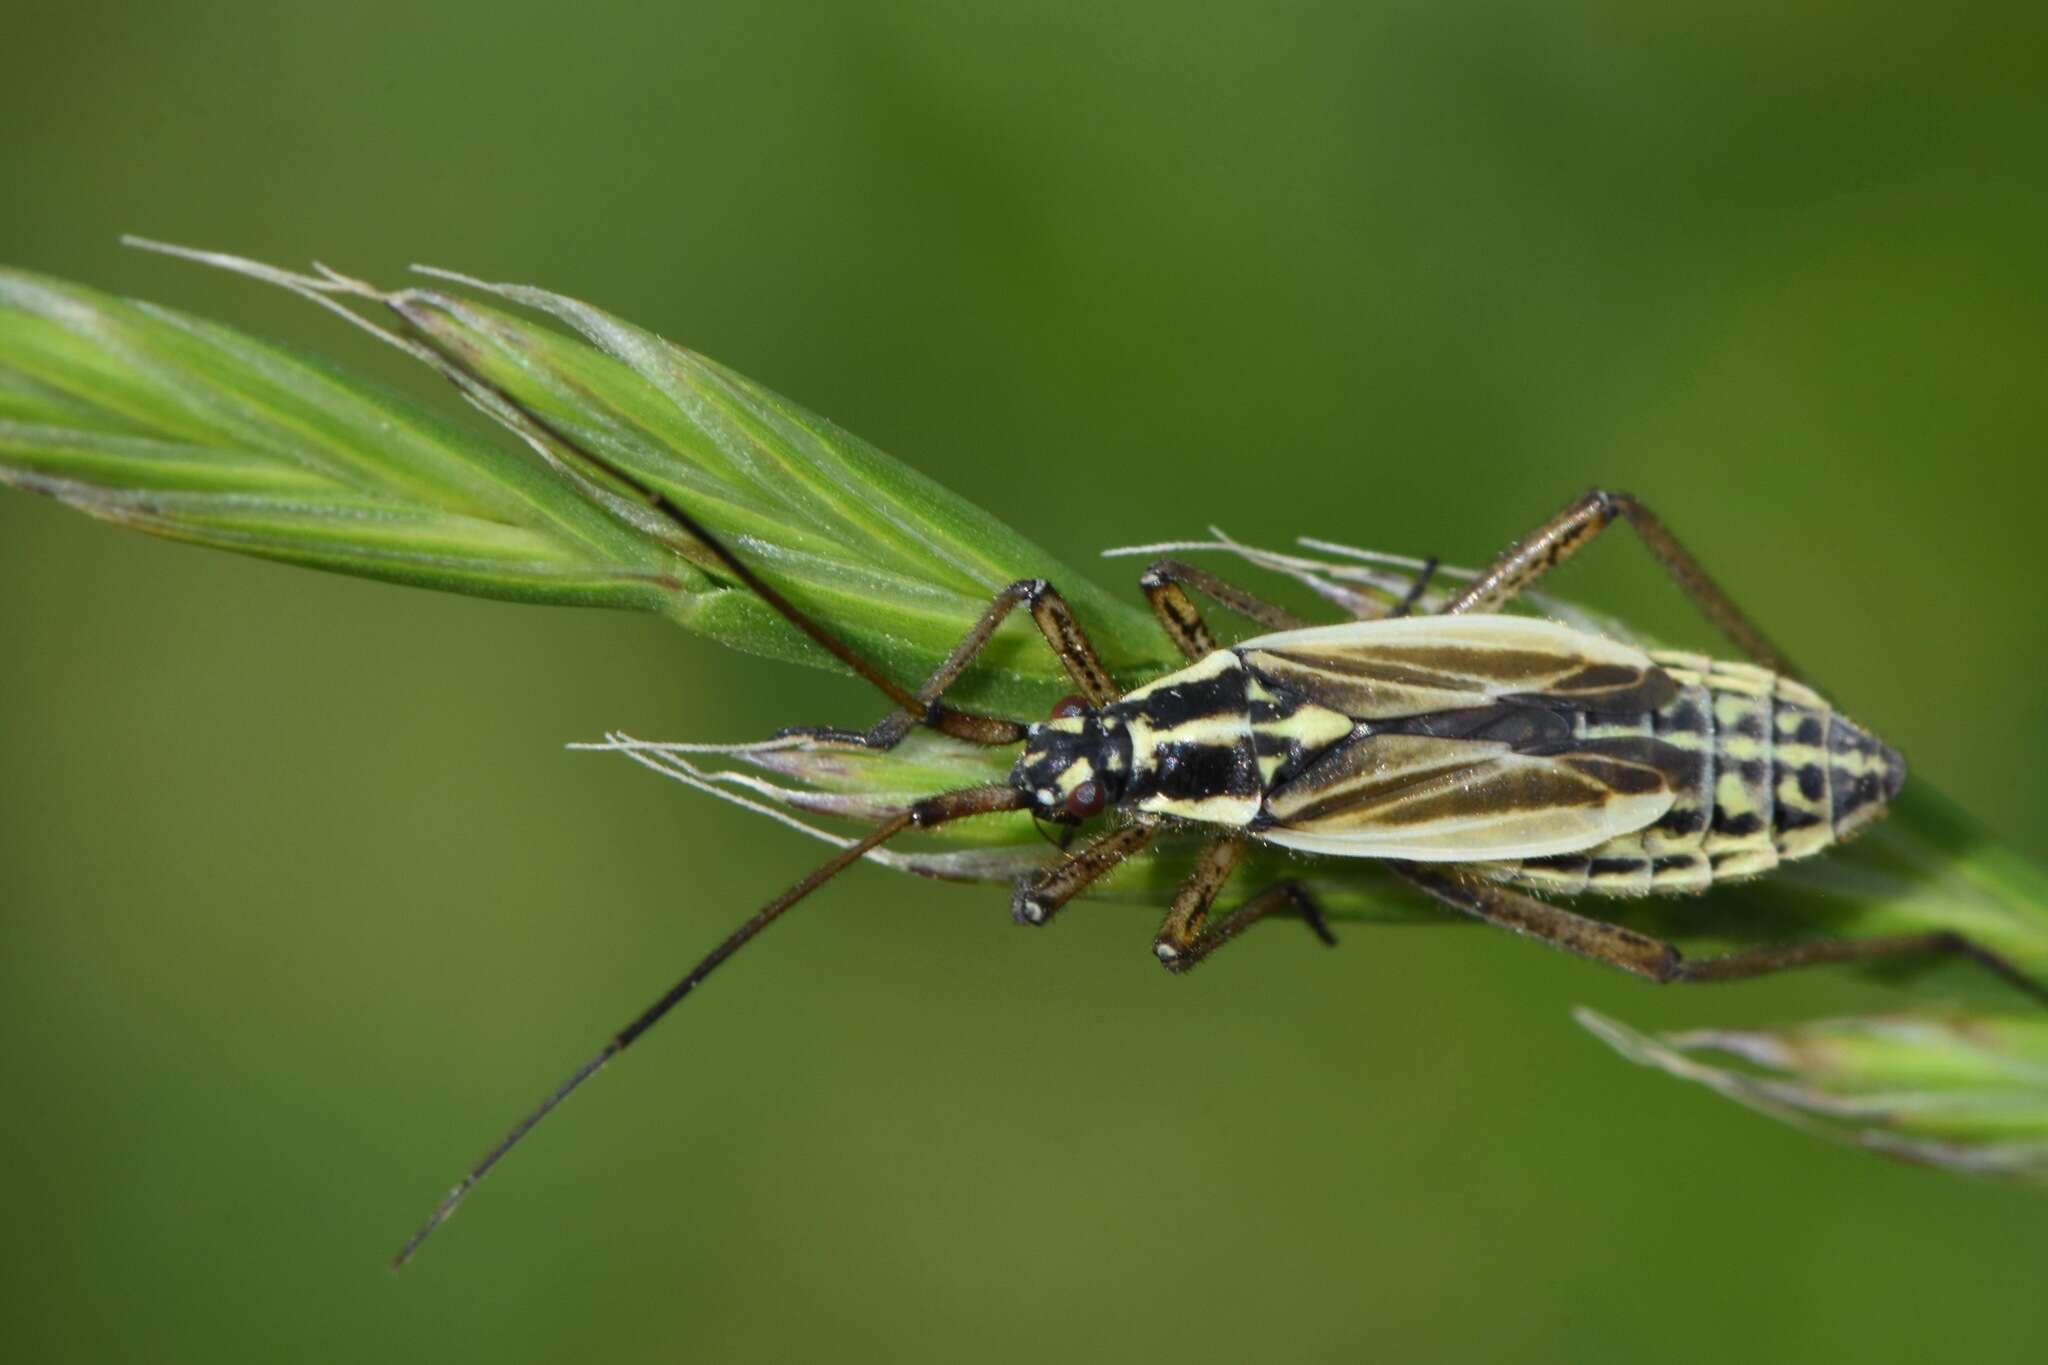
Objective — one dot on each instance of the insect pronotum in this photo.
(1482, 756)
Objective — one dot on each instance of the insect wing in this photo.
(1415, 666)
(1480, 763)
(1458, 800)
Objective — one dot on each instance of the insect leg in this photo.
(1162, 583)
(1568, 532)
(1656, 960)
(1038, 896)
(1186, 936)
(1048, 609)
(1063, 634)
(1406, 606)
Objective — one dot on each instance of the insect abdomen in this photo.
(1777, 774)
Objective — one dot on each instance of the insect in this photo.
(1488, 759)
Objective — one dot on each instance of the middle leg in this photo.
(1037, 897)
(1186, 936)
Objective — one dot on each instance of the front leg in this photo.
(1063, 635)
(1038, 896)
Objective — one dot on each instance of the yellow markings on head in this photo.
(1070, 778)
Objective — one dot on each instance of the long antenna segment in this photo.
(936, 810)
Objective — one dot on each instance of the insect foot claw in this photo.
(888, 732)
(1027, 906)
(1172, 958)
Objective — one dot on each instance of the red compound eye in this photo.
(1085, 800)
(1069, 706)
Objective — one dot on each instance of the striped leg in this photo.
(1162, 584)
(1568, 532)
(1186, 936)
(1063, 635)
(1036, 898)
(1653, 959)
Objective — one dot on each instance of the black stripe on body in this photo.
(1191, 737)
(1197, 772)
(1166, 708)
(1741, 838)
(1609, 691)
(1285, 748)
(1800, 777)
(1687, 724)
(1561, 874)
(1864, 774)
(1523, 728)
(1777, 775)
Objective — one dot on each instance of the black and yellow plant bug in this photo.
(1482, 756)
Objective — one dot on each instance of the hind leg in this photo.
(1653, 959)
(1564, 535)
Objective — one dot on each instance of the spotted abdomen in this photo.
(1774, 774)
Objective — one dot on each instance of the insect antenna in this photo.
(1060, 841)
(935, 810)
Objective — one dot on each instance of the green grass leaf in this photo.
(150, 419)
(184, 428)
(1966, 1092)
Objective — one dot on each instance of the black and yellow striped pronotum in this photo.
(1482, 757)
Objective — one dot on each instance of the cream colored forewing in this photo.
(1419, 665)
(1458, 800)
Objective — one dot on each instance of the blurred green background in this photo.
(301, 900)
